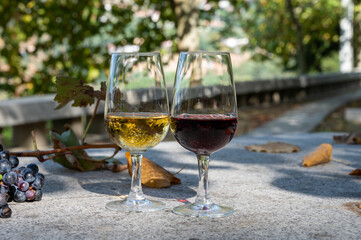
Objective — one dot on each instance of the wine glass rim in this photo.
(205, 52)
(136, 53)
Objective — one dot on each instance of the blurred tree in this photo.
(187, 18)
(45, 38)
(183, 19)
(153, 23)
(41, 39)
(357, 33)
(301, 32)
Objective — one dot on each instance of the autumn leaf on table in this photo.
(352, 138)
(322, 154)
(153, 175)
(356, 172)
(274, 147)
(72, 89)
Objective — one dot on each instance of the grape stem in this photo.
(34, 140)
(90, 121)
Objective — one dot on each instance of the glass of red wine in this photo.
(203, 118)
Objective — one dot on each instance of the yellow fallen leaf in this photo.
(153, 175)
(322, 154)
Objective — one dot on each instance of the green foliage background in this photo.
(43, 38)
(71, 37)
(272, 32)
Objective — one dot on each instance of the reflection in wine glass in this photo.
(203, 118)
(136, 117)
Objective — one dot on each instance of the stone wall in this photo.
(38, 112)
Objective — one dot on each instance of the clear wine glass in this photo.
(136, 117)
(203, 118)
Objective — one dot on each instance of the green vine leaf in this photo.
(76, 159)
(72, 89)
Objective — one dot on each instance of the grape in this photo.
(30, 194)
(20, 169)
(10, 178)
(28, 175)
(5, 212)
(19, 196)
(3, 199)
(29, 178)
(3, 187)
(19, 179)
(5, 166)
(38, 183)
(19, 185)
(23, 186)
(40, 175)
(4, 154)
(11, 192)
(14, 161)
(33, 167)
(25, 171)
(39, 195)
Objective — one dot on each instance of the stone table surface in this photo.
(274, 197)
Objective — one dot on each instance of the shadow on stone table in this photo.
(118, 187)
(319, 184)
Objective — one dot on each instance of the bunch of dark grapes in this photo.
(17, 184)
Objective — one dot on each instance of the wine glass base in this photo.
(135, 205)
(206, 210)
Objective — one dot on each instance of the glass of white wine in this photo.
(136, 117)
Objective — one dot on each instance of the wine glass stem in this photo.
(203, 196)
(136, 193)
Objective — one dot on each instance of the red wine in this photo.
(203, 134)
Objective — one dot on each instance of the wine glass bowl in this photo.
(203, 118)
(135, 131)
(203, 134)
(136, 117)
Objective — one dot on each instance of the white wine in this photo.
(137, 131)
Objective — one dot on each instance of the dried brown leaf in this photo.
(322, 154)
(352, 138)
(274, 147)
(354, 207)
(356, 172)
(153, 175)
